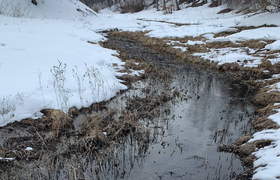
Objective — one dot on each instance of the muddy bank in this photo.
(168, 125)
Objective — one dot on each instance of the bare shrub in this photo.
(255, 5)
(133, 6)
(6, 106)
(61, 92)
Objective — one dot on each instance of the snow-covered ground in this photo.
(47, 62)
(269, 155)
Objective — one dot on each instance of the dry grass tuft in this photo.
(254, 44)
(60, 121)
(73, 112)
(266, 64)
(245, 151)
(268, 110)
(262, 123)
(93, 141)
(218, 44)
(248, 148)
(242, 140)
(265, 98)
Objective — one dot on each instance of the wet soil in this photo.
(168, 125)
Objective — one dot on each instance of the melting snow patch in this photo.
(194, 42)
(273, 46)
(274, 87)
(231, 55)
(268, 162)
(29, 149)
(7, 159)
(276, 76)
(183, 49)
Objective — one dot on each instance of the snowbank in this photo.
(54, 9)
(47, 62)
(268, 161)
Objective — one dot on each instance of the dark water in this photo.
(209, 111)
(181, 134)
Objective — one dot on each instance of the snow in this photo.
(274, 87)
(7, 159)
(36, 43)
(273, 46)
(47, 62)
(32, 49)
(231, 55)
(55, 9)
(29, 149)
(183, 49)
(269, 155)
(267, 33)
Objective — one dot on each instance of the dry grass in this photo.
(73, 112)
(266, 64)
(263, 99)
(243, 140)
(264, 123)
(159, 45)
(129, 66)
(60, 121)
(245, 151)
(248, 148)
(268, 110)
(254, 44)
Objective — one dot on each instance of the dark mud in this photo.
(168, 125)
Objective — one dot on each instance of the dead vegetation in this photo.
(245, 151)
(263, 99)
(159, 45)
(60, 121)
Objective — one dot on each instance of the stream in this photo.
(209, 111)
(172, 123)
